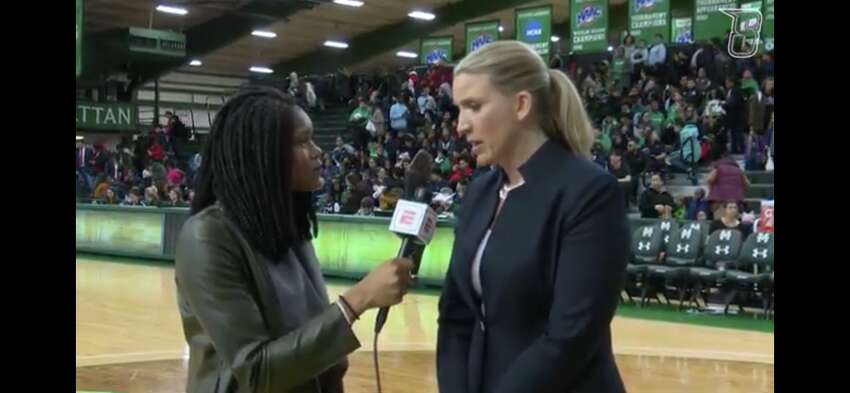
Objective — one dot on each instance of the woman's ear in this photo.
(522, 105)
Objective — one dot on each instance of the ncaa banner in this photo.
(681, 32)
(648, 18)
(709, 21)
(534, 27)
(479, 34)
(767, 26)
(434, 49)
(589, 25)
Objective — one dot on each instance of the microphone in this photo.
(413, 219)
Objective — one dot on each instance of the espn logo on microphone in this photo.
(414, 219)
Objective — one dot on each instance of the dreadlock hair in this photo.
(246, 167)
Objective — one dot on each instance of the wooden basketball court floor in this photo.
(129, 340)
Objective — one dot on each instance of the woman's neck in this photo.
(524, 148)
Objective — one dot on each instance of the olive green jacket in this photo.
(233, 324)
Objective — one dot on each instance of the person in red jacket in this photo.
(460, 171)
(155, 152)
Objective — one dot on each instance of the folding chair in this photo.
(719, 254)
(682, 254)
(646, 245)
(752, 274)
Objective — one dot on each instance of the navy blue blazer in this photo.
(551, 276)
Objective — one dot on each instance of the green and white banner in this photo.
(648, 18)
(534, 27)
(79, 29)
(767, 25)
(710, 22)
(682, 31)
(481, 33)
(106, 116)
(589, 25)
(434, 49)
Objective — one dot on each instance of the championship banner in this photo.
(648, 18)
(681, 31)
(710, 22)
(589, 25)
(534, 27)
(767, 26)
(481, 33)
(434, 49)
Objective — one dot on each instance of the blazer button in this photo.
(481, 323)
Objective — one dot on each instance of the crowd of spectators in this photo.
(146, 170)
(659, 110)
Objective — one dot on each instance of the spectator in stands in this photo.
(379, 122)
(698, 204)
(358, 189)
(730, 218)
(367, 207)
(174, 198)
(151, 196)
(736, 121)
(460, 171)
(133, 198)
(357, 122)
(656, 202)
(621, 171)
(639, 58)
(156, 152)
(657, 56)
(727, 183)
(174, 174)
(102, 183)
(398, 116)
(656, 154)
(111, 197)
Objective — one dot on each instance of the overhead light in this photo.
(79, 137)
(555, 38)
(172, 10)
(421, 15)
(350, 3)
(610, 49)
(261, 70)
(195, 63)
(409, 55)
(264, 33)
(501, 29)
(336, 44)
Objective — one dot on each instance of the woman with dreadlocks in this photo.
(254, 306)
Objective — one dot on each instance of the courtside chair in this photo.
(753, 272)
(682, 253)
(720, 253)
(646, 246)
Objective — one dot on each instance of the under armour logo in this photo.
(647, 231)
(695, 226)
(760, 253)
(683, 248)
(686, 233)
(726, 250)
(665, 225)
(762, 238)
(641, 246)
(726, 235)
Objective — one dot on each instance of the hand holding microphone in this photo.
(385, 286)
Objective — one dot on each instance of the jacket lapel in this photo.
(468, 242)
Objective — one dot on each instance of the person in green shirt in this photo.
(656, 116)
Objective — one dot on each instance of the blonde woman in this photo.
(541, 241)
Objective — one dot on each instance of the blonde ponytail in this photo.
(570, 122)
(513, 66)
